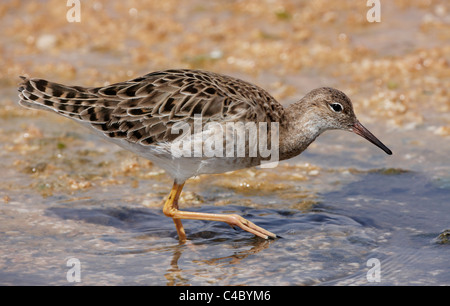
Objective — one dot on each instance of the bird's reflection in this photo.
(174, 274)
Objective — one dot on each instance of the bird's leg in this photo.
(171, 210)
(171, 206)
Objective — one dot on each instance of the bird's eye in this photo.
(336, 107)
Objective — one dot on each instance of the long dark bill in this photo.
(359, 129)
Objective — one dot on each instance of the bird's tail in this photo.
(69, 101)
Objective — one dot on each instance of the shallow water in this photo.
(331, 224)
(65, 193)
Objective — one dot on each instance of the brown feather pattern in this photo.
(143, 110)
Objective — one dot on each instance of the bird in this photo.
(155, 114)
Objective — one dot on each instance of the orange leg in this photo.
(171, 206)
(171, 210)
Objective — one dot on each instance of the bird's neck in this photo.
(301, 128)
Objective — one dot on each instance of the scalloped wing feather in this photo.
(143, 110)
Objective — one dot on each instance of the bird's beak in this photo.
(359, 129)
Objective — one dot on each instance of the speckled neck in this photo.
(301, 127)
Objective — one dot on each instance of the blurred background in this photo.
(64, 193)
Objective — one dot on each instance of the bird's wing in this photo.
(143, 110)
